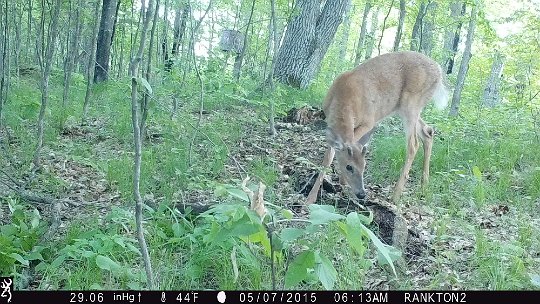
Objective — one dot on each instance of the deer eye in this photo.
(349, 168)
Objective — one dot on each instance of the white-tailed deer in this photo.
(402, 83)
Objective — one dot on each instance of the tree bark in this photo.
(4, 66)
(344, 40)
(240, 57)
(417, 28)
(72, 52)
(383, 27)
(148, 73)
(362, 37)
(133, 68)
(46, 49)
(370, 42)
(464, 66)
(452, 38)
(306, 41)
(274, 41)
(103, 48)
(399, 32)
(179, 27)
(491, 96)
(89, 69)
(426, 39)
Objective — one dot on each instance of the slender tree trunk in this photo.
(240, 57)
(275, 44)
(373, 30)
(452, 40)
(4, 65)
(344, 40)
(17, 18)
(103, 48)
(133, 68)
(383, 27)
(164, 34)
(362, 37)
(146, 96)
(45, 58)
(491, 96)
(417, 28)
(426, 39)
(464, 66)
(402, 12)
(306, 41)
(90, 67)
(71, 54)
(179, 27)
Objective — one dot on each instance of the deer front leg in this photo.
(328, 158)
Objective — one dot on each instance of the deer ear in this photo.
(364, 150)
(334, 140)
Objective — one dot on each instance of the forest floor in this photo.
(430, 256)
(449, 243)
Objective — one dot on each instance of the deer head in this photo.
(351, 161)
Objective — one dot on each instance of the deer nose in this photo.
(361, 195)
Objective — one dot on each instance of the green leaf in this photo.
(298, 270)
(58, 261)
(35, 219)
(353, 234)
(145, 83)
(382, 248)
(325, 271)
(106, 263)
(477, 173)
(19, 258)
(393, 253)
(322, 214)
(132, 248)
(287, 213)
(290, 234)
(238, 194)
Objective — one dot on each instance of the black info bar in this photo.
(227, 296)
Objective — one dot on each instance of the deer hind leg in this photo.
(411, 124)
(328, 158)
(426, 134)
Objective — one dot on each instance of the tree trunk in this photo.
(452, 39)
(417, 28)
(89, 69)
(103, 48)
(133, 68)
(274, 41)
(148, 73)
(362, 37)
(179, 27)
(370, 42)
(344, 40)
(491, 96)
(240, 57)
(426, 39)
(306, 41)
(164, 35)
(383, 27)
(72, 51)
(4, 66)
(464, 66)
(402, 12)
(46, 49)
